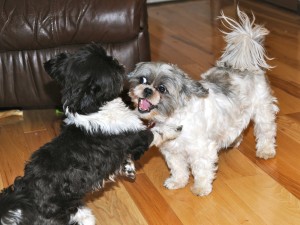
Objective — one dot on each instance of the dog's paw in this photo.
(173, 184)
(128, 169)
(266, 153)
(201, 191)
(171, 132)
(165, 133)
(83, 216)
(168, 132)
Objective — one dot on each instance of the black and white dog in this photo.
(99, 136)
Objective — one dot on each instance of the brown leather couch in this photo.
(33, 31)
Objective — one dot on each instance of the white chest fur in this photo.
(112, 118)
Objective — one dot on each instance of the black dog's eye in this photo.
(143, 80)
(162, 89)
(95, 90)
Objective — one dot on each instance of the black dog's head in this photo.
(89, 78)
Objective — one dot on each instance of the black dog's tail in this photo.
(14, 204)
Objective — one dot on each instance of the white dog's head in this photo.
(157, 89)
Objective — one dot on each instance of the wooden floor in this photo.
(247, 190)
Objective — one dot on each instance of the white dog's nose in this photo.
(148, 92)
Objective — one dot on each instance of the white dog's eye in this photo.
(143, 80)
(162, 89)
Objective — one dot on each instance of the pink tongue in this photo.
(144, 104)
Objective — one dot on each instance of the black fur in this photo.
(98, 77)
(63, 171)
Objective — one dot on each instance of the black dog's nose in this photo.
(148, 92)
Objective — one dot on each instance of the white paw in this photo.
(174, 132)
(266, 153)
(201, 191)
(83, 216)
(173, 184)
(168, 132)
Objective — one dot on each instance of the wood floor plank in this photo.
(154, 208)
(284, 167)
(291, 72)
(114, 206)
(247, 190)
(204, 210)
(13, 152)
(52, 120)
(290, 87)
(272, 202)
(37, 139)
(287, 103)
(290, 125)
(2, 182)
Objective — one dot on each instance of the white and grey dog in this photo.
(215, 110)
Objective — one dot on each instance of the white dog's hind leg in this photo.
(265, 129)
(203, 165)
(179, 170)
(237, 142)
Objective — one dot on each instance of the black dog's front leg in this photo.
(140, 143)
(144, 139)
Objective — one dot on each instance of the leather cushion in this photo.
(37, 24)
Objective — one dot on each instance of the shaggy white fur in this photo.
(111, 123)
(243, 50)
(213, 111)
(83, 216)
(124, 120)
(14, 218)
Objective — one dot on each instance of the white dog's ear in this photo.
(130, 75)
(199, 90)
(195, 88)
(137, 67)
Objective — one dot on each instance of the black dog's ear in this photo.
(54, 67)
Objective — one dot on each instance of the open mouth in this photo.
(145, 106)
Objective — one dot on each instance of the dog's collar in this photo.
(113, 118)
(150, 124)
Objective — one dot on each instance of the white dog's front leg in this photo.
(203, 165)
(179, 169)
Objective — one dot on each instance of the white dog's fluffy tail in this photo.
(244, 50)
